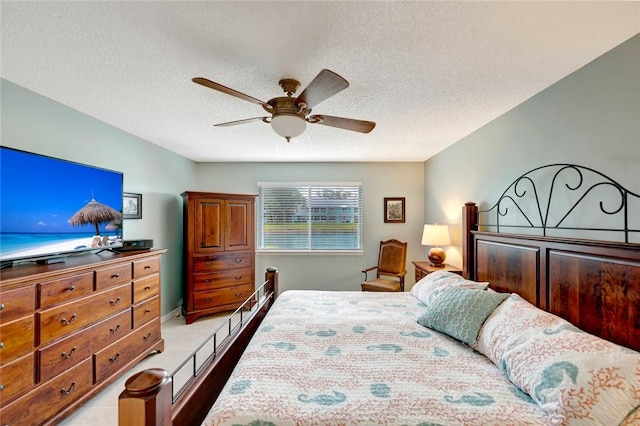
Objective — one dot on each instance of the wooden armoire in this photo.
(219, 254)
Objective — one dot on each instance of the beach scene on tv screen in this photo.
(50, 206)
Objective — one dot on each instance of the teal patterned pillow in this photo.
(460, 312)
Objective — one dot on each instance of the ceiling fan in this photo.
(290, 115)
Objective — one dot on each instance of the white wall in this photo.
(31, 122)
(333, 272)
(590, 118)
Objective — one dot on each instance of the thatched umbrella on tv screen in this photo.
(96, 213)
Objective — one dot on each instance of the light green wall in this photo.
(590, 118)
(333, 272)
(34, 123)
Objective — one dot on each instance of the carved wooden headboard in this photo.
(593, 283)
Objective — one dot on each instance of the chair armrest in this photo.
(364, 271)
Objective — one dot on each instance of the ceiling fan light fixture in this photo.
(288, 125)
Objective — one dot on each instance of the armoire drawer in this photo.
(62, 355)
(231, 260)
(73, 316)
(16, 378)
(65, 289)
(17, 303)
(146, 267)
(114, 275)
(49, 398)
(225, 296)
(146, 311)
(16, 338)
(145, 288)
(119, 354)
(216, 280)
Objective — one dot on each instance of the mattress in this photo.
(360, 358)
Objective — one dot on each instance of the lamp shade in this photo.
(288, 125)
(436, 235)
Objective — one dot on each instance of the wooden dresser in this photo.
(69, 329)
(219, 255)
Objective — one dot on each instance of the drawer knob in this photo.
(147, 267)
(1, 306)
(238, 278)
(147, 337)
(63, 391)
(71, 287)
(116, 275)
(1, 387)
(146, 311)
(115, 330)
(1, 345)
(237, 260)
(147, 288)
(238, 294)
(210, 281)
(115, 358)
(114, 302)
(67, 356)
(71, 320)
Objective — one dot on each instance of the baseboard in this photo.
(177, 312)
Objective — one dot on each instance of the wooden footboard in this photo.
(150, 398)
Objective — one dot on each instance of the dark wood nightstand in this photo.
(425, 268)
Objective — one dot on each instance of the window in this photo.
(309, 217)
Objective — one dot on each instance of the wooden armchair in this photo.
(390, 269)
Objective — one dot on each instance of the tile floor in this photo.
(180, 341)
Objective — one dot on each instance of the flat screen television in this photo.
(52, 208)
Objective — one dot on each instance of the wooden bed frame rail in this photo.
(149, 398)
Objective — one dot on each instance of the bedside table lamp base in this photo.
(437, 256)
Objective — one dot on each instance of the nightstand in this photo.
(425, 268)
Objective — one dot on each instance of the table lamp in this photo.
(436, 235)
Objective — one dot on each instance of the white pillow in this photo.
(578, 378)
(428, 287)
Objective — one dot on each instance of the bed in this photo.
(540, 330)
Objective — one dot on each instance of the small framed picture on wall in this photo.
(394, 210)
(131, 206)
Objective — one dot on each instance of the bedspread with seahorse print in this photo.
(354, 358)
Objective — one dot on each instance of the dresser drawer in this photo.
(223, 261)
(60, 356)
(146, 311)
(16, 378)
(108, 277)
(46, 400)
(73, 316)
(226, 296)
(146, 267)
(215, 280)
(17, 303)
(16, 338)
(145, 288)
(119, 354)
(60, 291)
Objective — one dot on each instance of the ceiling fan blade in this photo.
(224, 89)
(343, 123)
(326, 84)
(246, 120)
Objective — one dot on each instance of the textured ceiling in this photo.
(428, 73)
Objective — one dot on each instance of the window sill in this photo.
(311, 252)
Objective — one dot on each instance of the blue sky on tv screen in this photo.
(39, 194)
